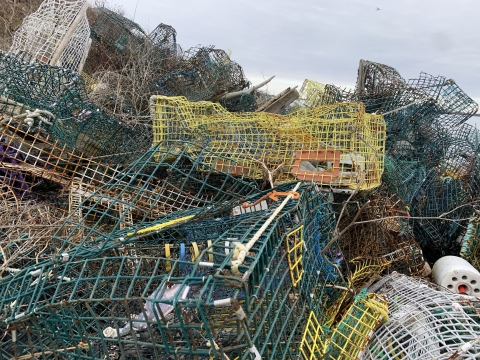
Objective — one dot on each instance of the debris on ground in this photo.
(158, 205)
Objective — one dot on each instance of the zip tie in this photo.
(168, 264)
(184, 294)
(222, 302)
(206, 264)
(210, 254)
(465, 347)
(196, 252)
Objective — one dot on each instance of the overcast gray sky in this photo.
(324, 40)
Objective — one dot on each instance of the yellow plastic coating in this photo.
(160, 226)
(168, 265)
(294, 245)
(210, 255)
(196, 253)
(335, 145)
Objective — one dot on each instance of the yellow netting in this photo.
(350, 337)
(295, 244)
(335, 145)
(311, 346)
(366, 271)
(89, 82)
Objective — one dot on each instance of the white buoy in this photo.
(457, 275)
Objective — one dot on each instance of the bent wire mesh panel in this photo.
(470, 249)
(336, 146)
(425, 323)
(103, 197)
(56, 34)
(242, 294)
(73, 118)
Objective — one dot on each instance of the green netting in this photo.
(383, 89)
(166, 307)
(470, 249)
(79, 123)
(104, 198)
(448, 194)
(242, 103)
(114, 37)
(203, 74)
(403, 178)
(411, 108)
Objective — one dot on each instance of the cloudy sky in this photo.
(323, 40)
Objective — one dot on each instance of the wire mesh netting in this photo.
(240, 233)
(160, 306)
(313, 94)
(425, 323)
(164, 37)
(103, 197)
(470, 249)
(57, 33)
(376, 226)
(113, 38)
(26, 231)
(203, 74)
(404, 178)
(73, 118)
(406, 103)
(337, 145)
(450, 189)
(350, 337)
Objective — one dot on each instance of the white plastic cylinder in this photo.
(457, 275)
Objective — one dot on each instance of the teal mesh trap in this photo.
(449, 193)
(73, 118)
(104, 197)
(247, 292)
(470, 249)
(203, 74)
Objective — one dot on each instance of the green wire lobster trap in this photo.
(68, 114)
(338, 146)
(252, 299)
(203, 74)
(102, 197)
(114, 38)
(470, 249)
(450, 188)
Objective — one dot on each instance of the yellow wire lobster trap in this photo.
(338, 146)
(348, 340)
